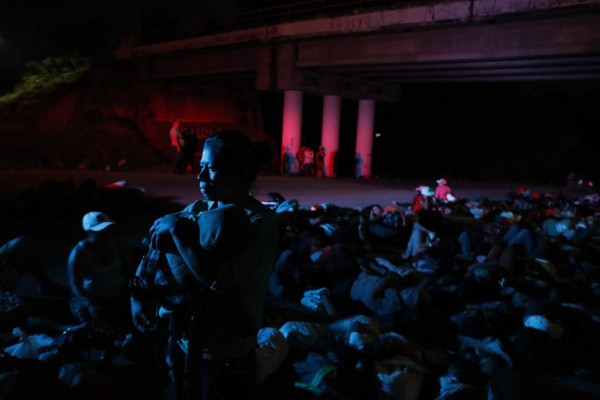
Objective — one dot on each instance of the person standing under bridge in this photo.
(177, 145)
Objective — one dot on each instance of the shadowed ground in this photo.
(48, 206)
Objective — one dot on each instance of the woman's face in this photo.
(376, 212)
(218, 179)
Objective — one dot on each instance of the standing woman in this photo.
(217, 346)
(177, 147)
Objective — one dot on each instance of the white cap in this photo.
(95, 221)
(426, 191)
(542, 323)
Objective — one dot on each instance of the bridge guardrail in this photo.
(253, 18)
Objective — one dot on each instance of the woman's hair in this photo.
(246, 154)
(367, 210)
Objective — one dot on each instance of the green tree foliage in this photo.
(41, 76)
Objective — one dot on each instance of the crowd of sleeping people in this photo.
(440, 298)
(488, 291)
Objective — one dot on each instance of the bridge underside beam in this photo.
(268, 67)
(547, 68)
(567, 47)
(374, 65)
(323, 84)
(277, 71)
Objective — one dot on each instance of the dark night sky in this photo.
(490, 129)
(32, 30)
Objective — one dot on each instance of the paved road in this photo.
(57, 226)
(345, 192)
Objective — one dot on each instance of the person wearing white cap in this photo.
(443, 192)
(423, 200)
(98, 269)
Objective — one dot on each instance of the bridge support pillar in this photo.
(292, 131)
(364, 137)
(330, 132)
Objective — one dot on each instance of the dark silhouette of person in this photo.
(213, 345)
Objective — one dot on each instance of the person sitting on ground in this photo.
(443, 192)
(99, 268)
(25, 288)
(20, 259)
(419, 239)
(368, 216)
(314, 265)
(373, 230)
(424, 205)
(423, 200)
